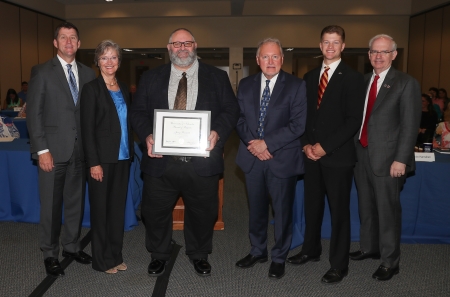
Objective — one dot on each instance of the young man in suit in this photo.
(273, 115)
(335, 102)
(385, 151)
(53, 121)
(164, 87)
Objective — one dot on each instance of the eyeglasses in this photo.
(106, 59)
(273, 57)
(382, 53)
(178, 44)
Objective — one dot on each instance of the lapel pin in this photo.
(340, 73)
(386, 86)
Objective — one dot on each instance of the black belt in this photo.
(182, 158)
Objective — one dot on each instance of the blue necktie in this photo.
(263, 109)
(72, 84)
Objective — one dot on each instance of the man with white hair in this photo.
(385, 152)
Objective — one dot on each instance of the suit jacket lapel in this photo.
(256, 102)
(163, 83)
(62, 78)
(384, 89)
(277, 89)
(204, 86)
(335, 80)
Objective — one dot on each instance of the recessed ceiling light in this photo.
(109, 0)
(290, 49)
(127, 50)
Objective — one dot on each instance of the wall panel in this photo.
(416, 43)
(45, 37)
(10, 71)
(444, 77)
(28, 42)
(432, 49)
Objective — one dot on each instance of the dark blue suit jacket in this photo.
(214, 94)
(284, 123)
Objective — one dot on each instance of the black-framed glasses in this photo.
(178, 44)
(383, 53)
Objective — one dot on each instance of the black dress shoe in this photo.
(276, 270)
(156, 267)
(300, 258)
(384, 273)
(53, 268)
(360, 255)
(250, 261)
(80, 257)
(334, 276)
(202, 267)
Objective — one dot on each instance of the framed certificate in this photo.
(181, 132)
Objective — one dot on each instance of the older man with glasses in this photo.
(385, 154)
(185, 84)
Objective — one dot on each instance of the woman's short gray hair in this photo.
(103, 46)
(270, 40)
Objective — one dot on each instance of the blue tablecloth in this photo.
(425, 201)
(21, 125)
(9, 113)
(19, 187)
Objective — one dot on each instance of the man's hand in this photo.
(397, 169)
(150, 142)
(97, 173)
(46, 162)
(213, 138)
(265, 155)
(309, 152)
(257, 146)
(318, 151)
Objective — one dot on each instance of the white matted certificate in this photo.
(181, 132)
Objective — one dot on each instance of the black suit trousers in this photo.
(65, 184)
(200, 214)
(336, 184)
(107, 199)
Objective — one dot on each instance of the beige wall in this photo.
(25, 40)
(429, 47)
(418, 6)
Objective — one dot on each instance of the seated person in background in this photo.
(443, 129)
(437, 101)
(12, 100)
(443, 95)
(428, 121)
(23, 93)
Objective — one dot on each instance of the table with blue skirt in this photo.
(19, 186)
(425, 201)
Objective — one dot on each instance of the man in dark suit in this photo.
(53, 121)
(208, 88)
(385, 151)
(272, 119)
(335, 102)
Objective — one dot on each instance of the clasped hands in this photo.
(213, 138)
(314, 152)
(258, 148)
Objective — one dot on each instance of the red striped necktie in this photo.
(322, 85)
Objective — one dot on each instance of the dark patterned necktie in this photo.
(263, 109)
(181, 97)
(72, 84)
(370, 102)
(322, 85)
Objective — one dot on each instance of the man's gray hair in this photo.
(394, 44)
(103, 46)
(270, 40)
(181, 29)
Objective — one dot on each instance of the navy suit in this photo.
(284, 124)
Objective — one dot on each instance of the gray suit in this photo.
(53, 122)
(392, 133)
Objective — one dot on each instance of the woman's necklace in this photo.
(112, 84)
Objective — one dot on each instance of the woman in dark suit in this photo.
(108, 150)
